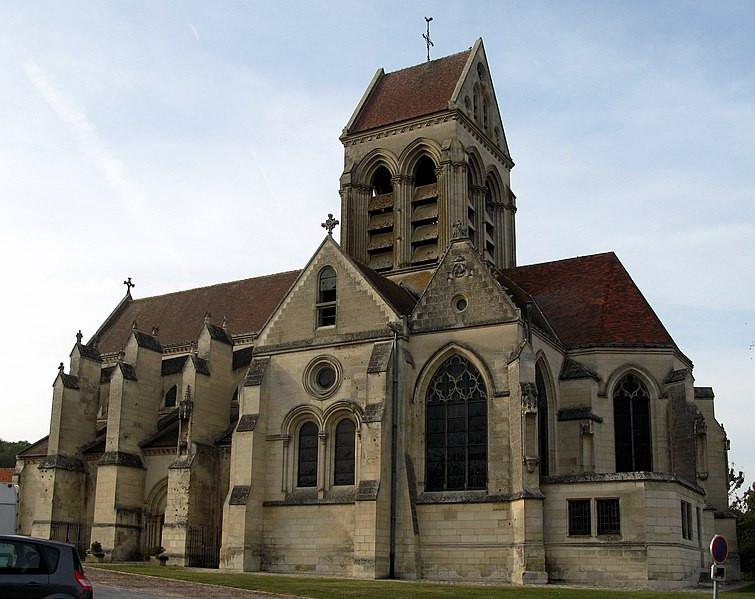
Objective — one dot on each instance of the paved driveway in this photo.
(117, 585)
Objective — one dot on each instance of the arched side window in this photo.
(475, 102)
(326, 298)
(456, 428)
(631, 422)
(343, 463)
(485, 109)
(542, 420)
(471, 210)
(307, 459)
(380, 221)
(424, 213)
(170, 397)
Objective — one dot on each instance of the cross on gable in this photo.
(329, 224)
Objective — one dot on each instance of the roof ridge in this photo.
(608, 253)
(275, 274)
(428, 62)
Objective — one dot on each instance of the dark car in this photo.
(35, 568)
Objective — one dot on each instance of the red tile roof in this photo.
(592, 300)
(6, 475)
(180, 315)
(412, 92)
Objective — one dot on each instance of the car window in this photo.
(20, 557)
(52, 556)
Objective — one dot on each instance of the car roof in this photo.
(35, 540)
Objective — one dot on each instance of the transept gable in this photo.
(360, 302)
(462, 293)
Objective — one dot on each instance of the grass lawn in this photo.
(335, 588)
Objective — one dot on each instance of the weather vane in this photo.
(428, 41)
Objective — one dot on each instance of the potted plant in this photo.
(96, 551)
(154, 552)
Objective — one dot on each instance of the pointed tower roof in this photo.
(393, 97)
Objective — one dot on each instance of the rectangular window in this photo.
(609, 519)
(579, 517)
(686, 520)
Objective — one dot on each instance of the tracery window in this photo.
(456, 427)
(307, 458)
(631, 421)
(343, 465)
(326, 298)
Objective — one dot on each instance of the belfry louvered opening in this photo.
(424, 213)
(380, 221)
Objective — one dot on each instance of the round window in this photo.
(322, 377)
(460, 303)
(326, 377)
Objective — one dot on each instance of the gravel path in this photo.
(173, 589)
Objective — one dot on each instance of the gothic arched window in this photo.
(631, 423)
(542, 420)
(326, 297)
(456, 428)
(307, 458)
(343, 464)
(170, 397)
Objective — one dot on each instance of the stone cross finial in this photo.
(129, 285)
(225, 323)
(329, 224)
(134, 326)
(61, 368)
(79, 337)
(155, 331)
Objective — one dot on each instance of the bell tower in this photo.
(425, 149)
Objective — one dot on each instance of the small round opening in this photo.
(326, 377)
(460, 303)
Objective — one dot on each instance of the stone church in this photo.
(412, 403)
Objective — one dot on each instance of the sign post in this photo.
(719, 550)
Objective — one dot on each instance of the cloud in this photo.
(115, 171)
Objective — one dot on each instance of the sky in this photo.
(190, 143)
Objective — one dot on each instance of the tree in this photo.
(744, 509)
(9, 450)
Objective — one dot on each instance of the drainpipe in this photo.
(396, 327)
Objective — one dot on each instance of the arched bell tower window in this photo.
(424, 215)
(326, 297)
(380, 221)
(631, 422)
(491, 197)
(471, 211)
(456, 428)
(542, 420)
(307, 460)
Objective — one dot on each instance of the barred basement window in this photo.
(170, 397)
(631, 419)
(579, 517)
(326, 298)
(456, 427)
(609, 519)
(307, 462)
(686, 520)
(343, 467)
